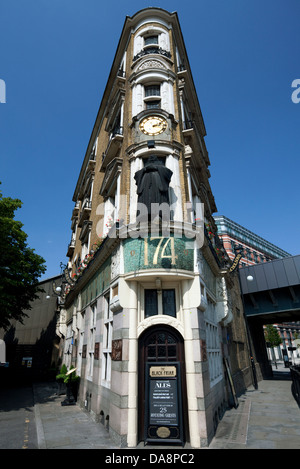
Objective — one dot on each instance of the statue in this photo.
(153, 183)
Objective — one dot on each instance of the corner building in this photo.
(144, 318)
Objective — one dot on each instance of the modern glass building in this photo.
(255, 248)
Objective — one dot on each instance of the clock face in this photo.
(153, 125)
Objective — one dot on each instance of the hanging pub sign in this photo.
(235, 262)
(163, 410)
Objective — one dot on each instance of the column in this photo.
(190, 368)
(132, 432)
(175, 187)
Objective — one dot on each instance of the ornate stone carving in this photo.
(224, 302)
(151, 64)
(115, 263)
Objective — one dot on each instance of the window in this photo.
(151, 304)
(155, 104)
(213, 347)
(121, 71)
(152, 97)
(117, 128)
(161, 346)
(151, 40)
(107, 341)
(152, 90)
(80, 344)
(160, 302)
(68, 346)
(169, 302)
(114, 124)
(91, 340)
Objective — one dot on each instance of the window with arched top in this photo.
(161, 344)
(151, 40)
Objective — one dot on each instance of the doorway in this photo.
(164, 345)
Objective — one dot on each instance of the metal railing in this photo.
(152, 50)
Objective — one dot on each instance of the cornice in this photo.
(161, 147)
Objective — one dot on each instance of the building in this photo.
(148, 305)
(32, 347)
(288, 350)
(255, 249)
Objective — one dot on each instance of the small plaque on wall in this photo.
(116, 350)
(96, 354)
(203, 351)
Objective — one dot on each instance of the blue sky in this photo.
(55, 57)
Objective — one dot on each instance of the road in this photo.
(17, 421)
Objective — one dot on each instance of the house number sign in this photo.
(157, 252)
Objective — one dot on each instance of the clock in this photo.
(153, 125)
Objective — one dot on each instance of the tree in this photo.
(20, 267)
(272, 336)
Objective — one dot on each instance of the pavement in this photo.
(266, 418)
(65, 427)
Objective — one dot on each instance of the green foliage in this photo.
(72, 378)
(20, 267)
(272, 336)
(62, 376)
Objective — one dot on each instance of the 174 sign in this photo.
(160, 250)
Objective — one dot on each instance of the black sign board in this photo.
(235, 262)
(163, 412)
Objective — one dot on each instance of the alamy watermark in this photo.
(296, 93)
(2, 91)
(159, 222)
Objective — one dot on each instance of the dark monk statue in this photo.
(153, 183)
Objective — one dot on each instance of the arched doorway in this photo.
(163, 345)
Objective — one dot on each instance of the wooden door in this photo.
(160, 344)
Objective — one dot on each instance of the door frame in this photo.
(180, 358)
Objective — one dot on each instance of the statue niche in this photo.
(153, 183)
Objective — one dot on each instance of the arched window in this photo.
(161, 345)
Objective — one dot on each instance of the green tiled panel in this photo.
(150, 253)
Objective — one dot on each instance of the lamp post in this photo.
(250, 279)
